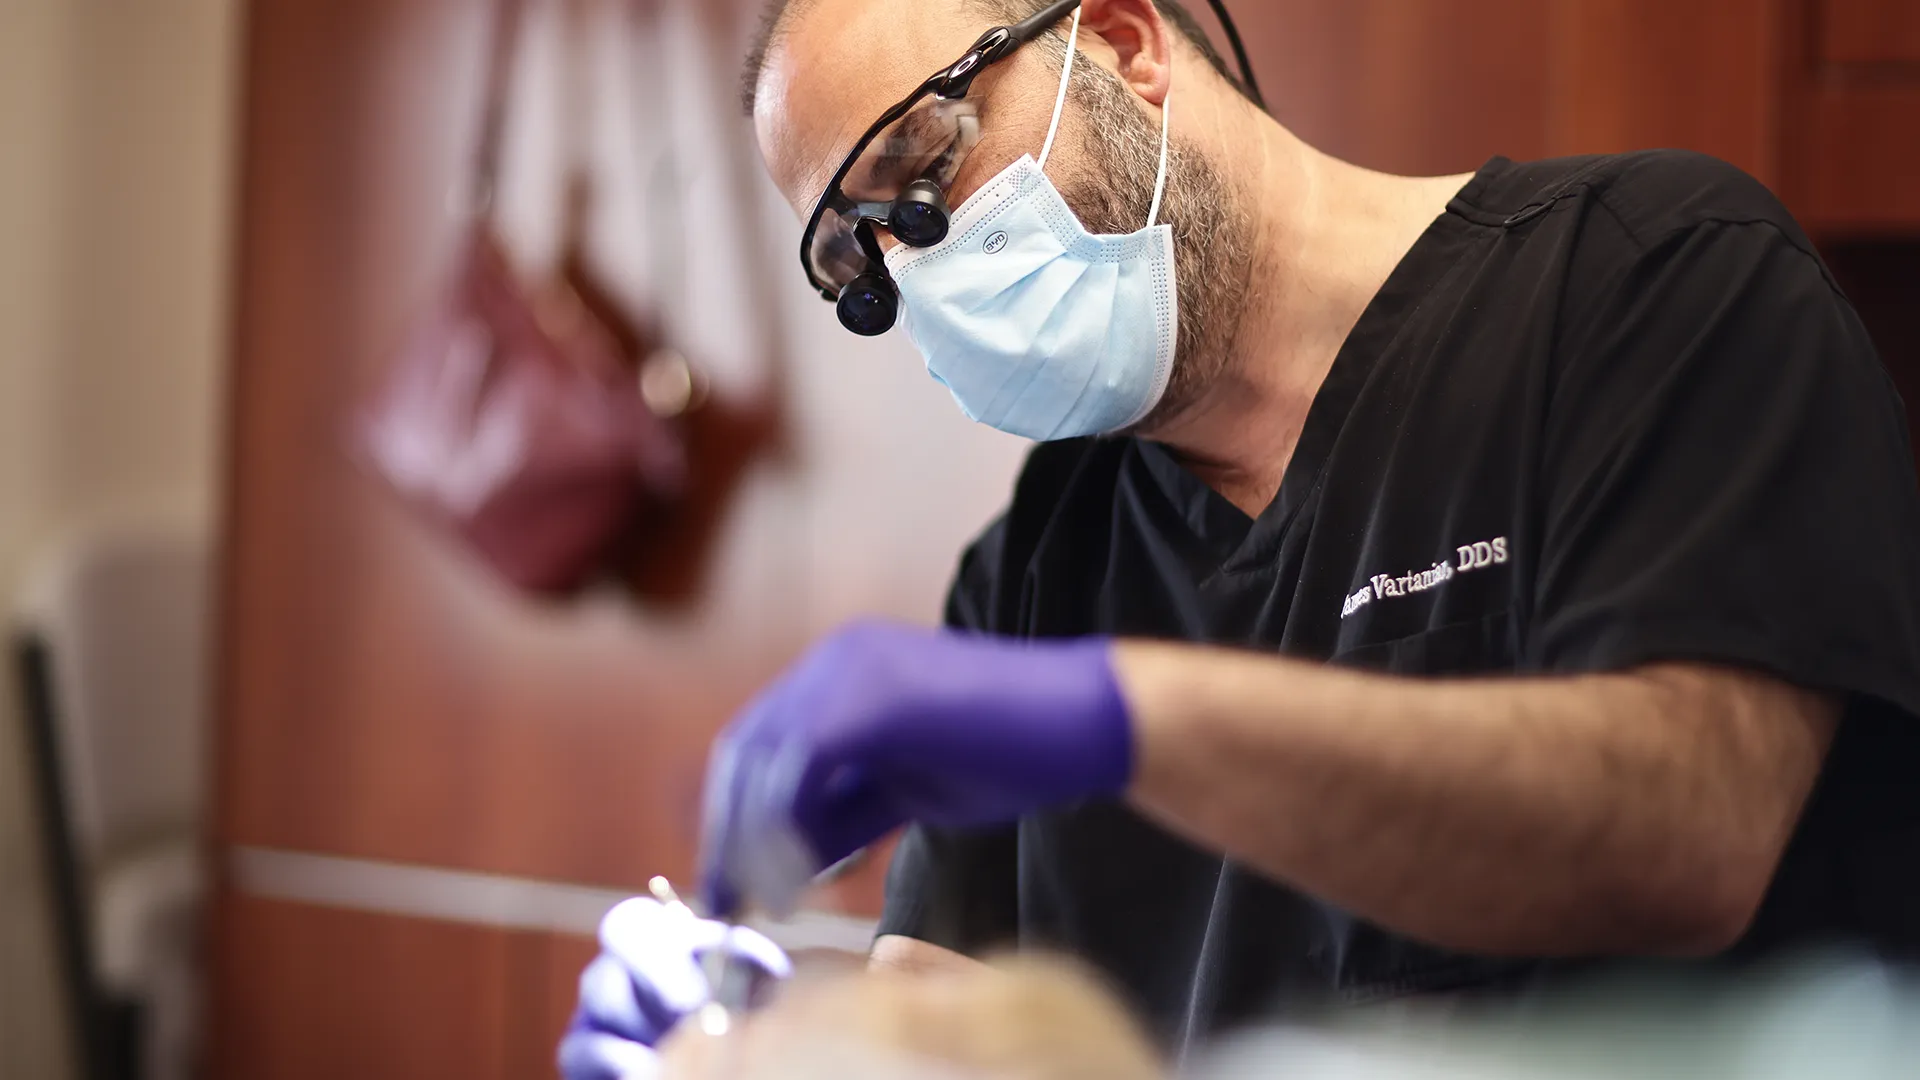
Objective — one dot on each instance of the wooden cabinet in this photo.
(1851, 101)
(1697, 74)
(1818, 98)
(315, 993)
(1855, 167)
(1865, 32)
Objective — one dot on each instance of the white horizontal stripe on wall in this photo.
(495, 900)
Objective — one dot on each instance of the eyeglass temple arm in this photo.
(1040, 21)
(954, 81)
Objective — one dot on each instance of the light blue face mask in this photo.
(1038, 327)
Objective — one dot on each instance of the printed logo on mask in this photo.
(996, 243)
(1475, 556)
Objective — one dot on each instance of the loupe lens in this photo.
(919, 215)
(869, 305)
(898, 181)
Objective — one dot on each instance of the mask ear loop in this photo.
(1160, 184)
(1059, 107)
(1060, 102)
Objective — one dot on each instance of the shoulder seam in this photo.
(1633, 237)
(1604, 197)
(1643, 244)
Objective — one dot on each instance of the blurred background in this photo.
(320, 784)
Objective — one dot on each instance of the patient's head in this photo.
(1013, 1020)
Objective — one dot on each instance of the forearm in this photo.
(1612, 813)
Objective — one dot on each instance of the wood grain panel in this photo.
(1860, 169)
(382, 697)
(310, 993)
(1869, 31)
(1638, 74)
(1408, 86)
(1882, 279)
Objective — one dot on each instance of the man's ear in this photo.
(1139, 40)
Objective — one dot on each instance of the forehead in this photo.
(837, 67)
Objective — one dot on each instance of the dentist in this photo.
(1418, 586)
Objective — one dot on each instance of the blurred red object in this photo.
(536, 449)
(511, 417)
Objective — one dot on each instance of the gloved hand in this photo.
(883, 724)
(645, 980)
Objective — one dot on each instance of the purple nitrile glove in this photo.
(882, 724)
(646, 979)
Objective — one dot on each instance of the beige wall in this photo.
(117, 122)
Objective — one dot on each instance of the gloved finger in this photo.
(631, 931)
(610, 1002)
(731, 765)
(745, 856)
(774, 862)
(593, 1055)
(656, 944)
(839, 809)
(750, 946)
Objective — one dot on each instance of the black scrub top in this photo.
(1608, 410)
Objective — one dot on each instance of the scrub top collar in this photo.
(1252, 544)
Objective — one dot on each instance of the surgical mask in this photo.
(1038, 327)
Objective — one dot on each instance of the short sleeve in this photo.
(1725, 474)
(958, 888)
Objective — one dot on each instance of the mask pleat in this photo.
(1036, 326)
(1074, 347)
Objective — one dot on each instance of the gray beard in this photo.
(1112, 193)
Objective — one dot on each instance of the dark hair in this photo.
(779, 13)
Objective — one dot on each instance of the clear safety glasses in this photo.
(899, 181)
(897, 177)
(898, 174)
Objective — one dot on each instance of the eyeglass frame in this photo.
(996, 44)
(950, 83)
